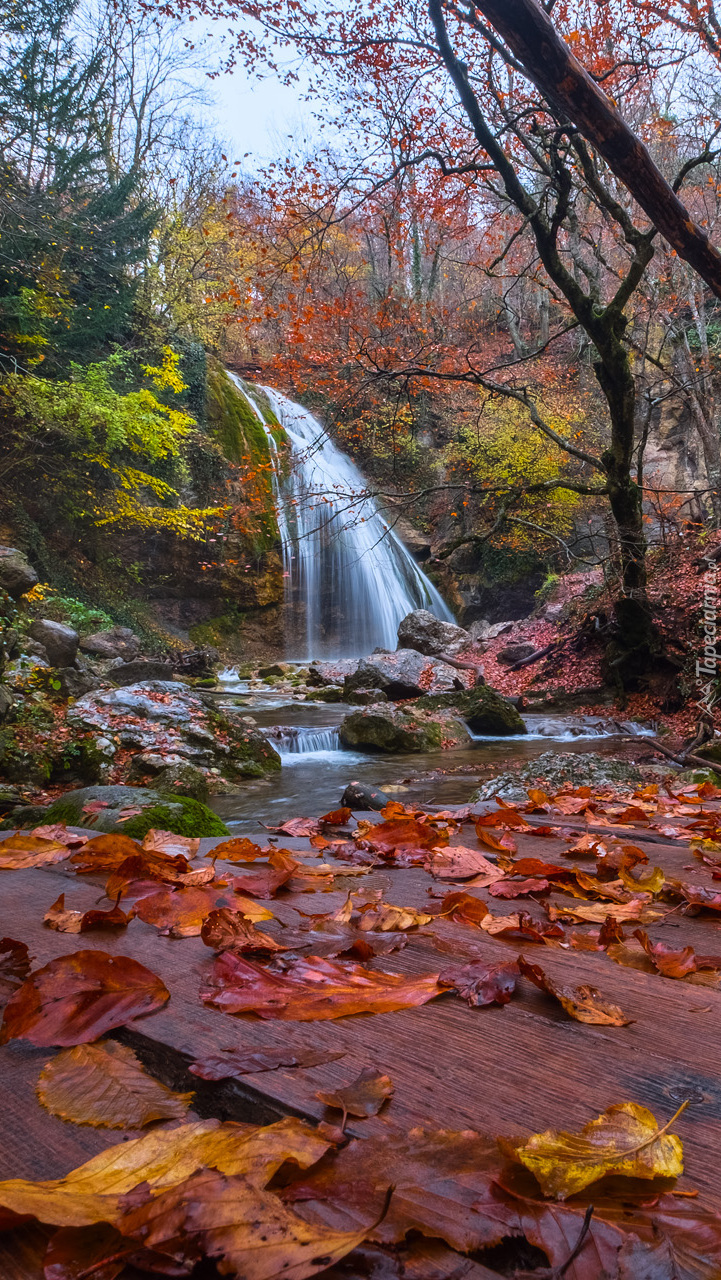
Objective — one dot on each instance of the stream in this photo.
(349, 581)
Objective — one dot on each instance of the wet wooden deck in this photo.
(517, 1069)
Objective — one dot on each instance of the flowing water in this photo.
(348, 583)
(349, 580)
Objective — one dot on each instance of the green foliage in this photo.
(194, 819)
(232, 421)
(84, 618)
(547, 587)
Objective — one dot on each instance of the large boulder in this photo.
(60, 642)
(391, 730)
(425, 633)
(166, 718)
(512, 653)
(116, 642)
(16, 572)
(322, 673)
(486, 712)
(115, 808)
(481, 630)
(139, 671)
(556, 769)
(403, 674)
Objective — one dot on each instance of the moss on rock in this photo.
(181, 815)
(389, 730)
(484, 711)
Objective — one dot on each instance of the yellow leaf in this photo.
(624, 1140)
(104, 1085)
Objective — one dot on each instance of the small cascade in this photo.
(349, 580)
(300, 742)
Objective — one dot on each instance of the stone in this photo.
(402, 674)
(116, 642)
(166, 717)
(359, 796)
(16, 572)
(184, 780)
(366, 697)
(34, 649)
(59, 641)
(140, 669)
(482, 630)
(710, 751)
(6, 701)
(21, 672)
(555, 769)
(486, 712)
(511, 653)
(328, 693)
(426, 634)
(108, 806)
(320, 673)
(75, 684)
(390, 730)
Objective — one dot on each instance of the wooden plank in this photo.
(521, 1068)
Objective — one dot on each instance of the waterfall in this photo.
(300, 742)
(349, 580)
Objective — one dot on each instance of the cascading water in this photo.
(349, 580)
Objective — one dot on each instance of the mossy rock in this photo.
(179, 814)
(484, 711)
(232, 421)
(391, 731)
(710, 751)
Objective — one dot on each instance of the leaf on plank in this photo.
(100, 1252)
(625, 1139)
(240, 850)
(264, 882)
(460, 863)
(173, 846)
(20, 851)
(67, 920)
(160, 1159)
(364, 1097)
(521, 925)
(464, 908)
(337, 818)
(481, 984)
(655, 957)
(373, 914)
(583, 1004)
(225, 929)
(14, 966)
(297, 827)
(106, 853)
(598, 912)
(104, 1085)
(232, 1064)
(78, 997)
(406, 839)
(518, 888)
(142, 873)
(501, 844)
(59, 831)
(251, 1232)
(649, 880)
(180, 911)
(313, 988)
(586, 846)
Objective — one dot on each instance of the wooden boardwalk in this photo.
(511, 1070)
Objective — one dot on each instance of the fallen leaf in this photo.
(312, 988)
(298, 827)
(250, 1231)
(625, 1139)
(518, 888)
(106, 853)
(99, 1252)
(460, 863)
(464, 908)
(104, 1085)
(251, 909)
(223, 929)
(181, 911)
(501, 844)
(480, 983)
(70, 921)
(59, 831)
(649, 880)
(407, 839)
(364, 1097)
(520, 925)
(171, 845)
(240, 850)
(338, 818)
(598, 912)
(264, 882)
(585, 847)
(162, 1158)
(584, 1004)
(231, 1064)
(30, 851)
(78, 997)
(14, 966)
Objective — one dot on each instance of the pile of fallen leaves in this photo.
(294, 1200)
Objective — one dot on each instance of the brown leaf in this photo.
(224, 929)
(231, 1064)
(518, 888)
(481, 984)
(240, 850)
(407, 839)
(171, 845)
(521, 925)
(598, 912)
(584, 1004)
(501, 844)
(100, 1253)
(30, 851)
(625, 1139)
(364, 1097)
(464, 908)
(337, 818)
(69, 921)
(58, 831)
(313, 988)
(160, 1159)
(460, 863)
(264, 882)
(77, 998)
(181, 911)
(14, 966)
(104, 1085)
(250, 1231)
(106, 853)
(296, 827)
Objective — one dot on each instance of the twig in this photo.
(535, 657)
(680, 757)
